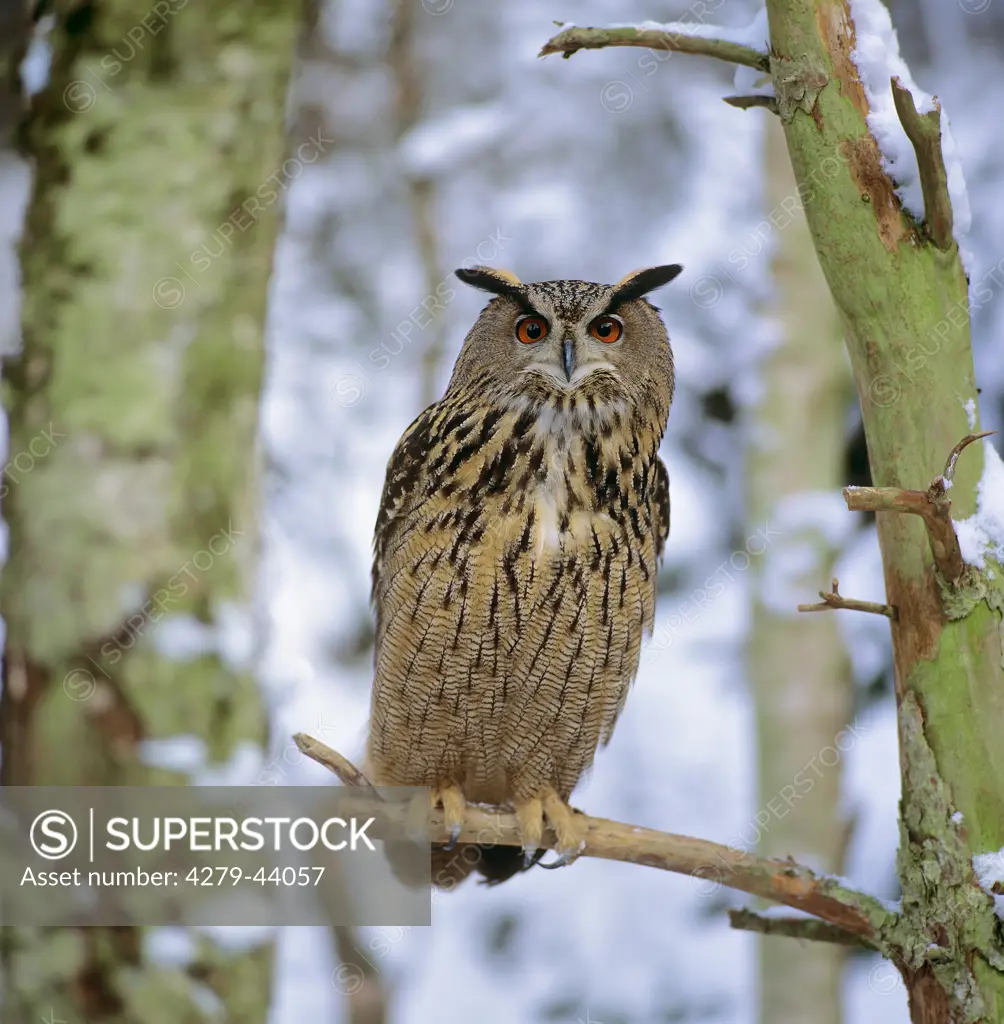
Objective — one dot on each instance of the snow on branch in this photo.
(924, 133)
(909, 125)
(678, 37)
(784, 881)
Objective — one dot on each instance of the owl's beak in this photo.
(568, 357)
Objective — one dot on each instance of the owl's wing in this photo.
(660, 505)
(402, 486)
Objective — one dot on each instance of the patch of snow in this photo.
(989, 868)
(983, 532)
(877, 58)
(755, 34)
(970, 406)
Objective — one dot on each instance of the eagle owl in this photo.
(515, 557)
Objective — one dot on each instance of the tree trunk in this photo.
(130, 490)
(903, 303)
(797, 663)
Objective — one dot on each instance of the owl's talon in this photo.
(567, 825)
(454, 835)
(451, 798)
(560, 862)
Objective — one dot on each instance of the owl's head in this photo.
(548, 341)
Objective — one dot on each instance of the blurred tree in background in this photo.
(798, 666)
(158, 145)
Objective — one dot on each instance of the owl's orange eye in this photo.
(606, 328)
(531, 329)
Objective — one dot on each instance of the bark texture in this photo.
(797, 664)
(903, 303)
(130, 487)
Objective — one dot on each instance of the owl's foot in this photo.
(454, 805)
(568, 827)
(451, 799)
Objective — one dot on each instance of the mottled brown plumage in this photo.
(516, 549)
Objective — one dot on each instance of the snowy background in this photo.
(584, 168)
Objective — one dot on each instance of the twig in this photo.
(924, 132)
(835, 599)
(332, 760)
(780, 880)
(940, 531)
(932, 505)
(571, 40)
(749, 102)
(795, 928)
(957, 451)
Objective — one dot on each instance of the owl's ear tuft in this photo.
(641, 282)
(488, 279)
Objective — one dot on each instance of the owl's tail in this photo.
(495, 864)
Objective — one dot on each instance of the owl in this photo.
(522, 519)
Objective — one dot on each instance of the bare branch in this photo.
(571, 40)
(931, 505)
(924, 132)
(835, 599)
(795, 928)
(714, 864)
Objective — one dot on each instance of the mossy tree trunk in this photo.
(903, 301)
(158, 146)
(902, 296)
(797, 664)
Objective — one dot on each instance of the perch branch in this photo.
(835, 599)
(931, 505)
(749, 102)
(795, 928)
(781, 880)
(571, 40)
(924, 133)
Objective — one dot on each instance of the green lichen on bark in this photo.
(797, 84)
(158, 146)
(904, 306)
(974, 588)
(948, 921)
